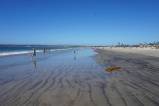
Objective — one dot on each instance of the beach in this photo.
(78, 77)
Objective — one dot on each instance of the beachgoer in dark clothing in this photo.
(34, 53)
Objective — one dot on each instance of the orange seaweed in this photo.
(113, 69)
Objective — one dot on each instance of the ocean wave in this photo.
(26, 52)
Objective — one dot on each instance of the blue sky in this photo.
(78, 21)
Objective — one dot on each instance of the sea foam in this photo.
(10, 53)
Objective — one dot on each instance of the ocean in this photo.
(6, 50)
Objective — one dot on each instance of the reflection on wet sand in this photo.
(75, 55)
(59, 81)
(75, 58)
(34, 61)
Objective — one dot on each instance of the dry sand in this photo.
(144, 51)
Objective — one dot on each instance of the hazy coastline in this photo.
(148, 51)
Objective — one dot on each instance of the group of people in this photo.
(34, 51)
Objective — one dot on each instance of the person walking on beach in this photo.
(44, 50)
(34, 53)
(74, 51)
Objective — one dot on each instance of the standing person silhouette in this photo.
(34, 53)
(44, 51)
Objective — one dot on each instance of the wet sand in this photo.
(65, 78)
(137, 83)
(79, 79)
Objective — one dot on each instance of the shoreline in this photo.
(14, 53)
